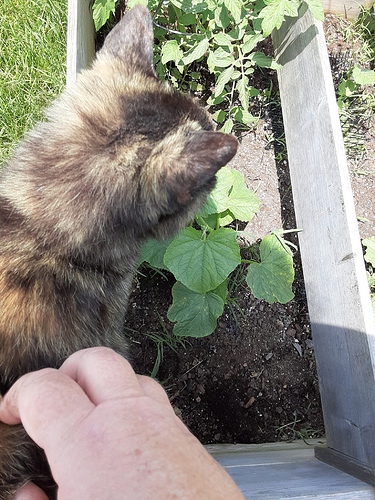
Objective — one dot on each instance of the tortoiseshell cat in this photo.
(121, 158)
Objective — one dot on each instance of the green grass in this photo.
(364, 34)
(32, 64)
(357, 101)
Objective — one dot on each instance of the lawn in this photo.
(32, 64)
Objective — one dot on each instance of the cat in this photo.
(122, 157)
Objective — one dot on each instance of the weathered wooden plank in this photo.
(332, 264)
(343, 462)
(337, 292)
(287, 470)
(349, 9)
(80, 38)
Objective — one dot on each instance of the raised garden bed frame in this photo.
(339, 304)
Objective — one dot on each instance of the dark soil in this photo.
(254, 379)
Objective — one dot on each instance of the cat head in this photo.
(122, 152)
(164, 140)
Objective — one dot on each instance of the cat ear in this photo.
(132, 39)
(207, 152)
(204, 154)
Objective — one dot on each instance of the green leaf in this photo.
(271, 279)
(188, 19)
(369, 243)
(222, 290)
(207, 223)
(223, 39)
(273, 14)
(196, 52)
(202, 263)
(231, 193)
(242, 88)
(364, 76)
(226, 218)
(291, 7)
(227, 127)
(237, 33)
(316, 9)
(223, 79)
(213, 100)
(264, 61)
(222, 19)
(196, 314)
(242, 202)
(219, 116)
(220, 58)
(190, 6)
(250, 42)
(235, 8)
(171, 52)
(346, 88)
(153, 251)
(244, 117)
(371, 280)
(101, 10)
(130, 3)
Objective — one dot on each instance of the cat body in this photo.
(122, 157)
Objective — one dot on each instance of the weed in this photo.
(291, 431)
(356, 89)
(162, 339)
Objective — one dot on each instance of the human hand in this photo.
(109, 433)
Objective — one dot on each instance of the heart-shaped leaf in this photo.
(202, 262)
(231, 193)
(195, 313)
(271, 279)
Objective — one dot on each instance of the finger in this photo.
(103, 374)
(48, 403)
(153, 389)
(30, 492)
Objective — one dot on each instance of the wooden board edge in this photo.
(299, 444)
(80, 38)
(346, 464)
(336, 286)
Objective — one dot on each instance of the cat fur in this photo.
(121, 157)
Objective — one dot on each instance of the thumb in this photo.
(30, 492)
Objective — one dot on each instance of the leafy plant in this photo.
(214, 42)
(351, 86)
(102, 9)
(202, 256)
(355, 87)
(369, 243)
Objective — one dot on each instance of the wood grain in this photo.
(287, 471)
(335, 279)
(80, 38)
(339, 303)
